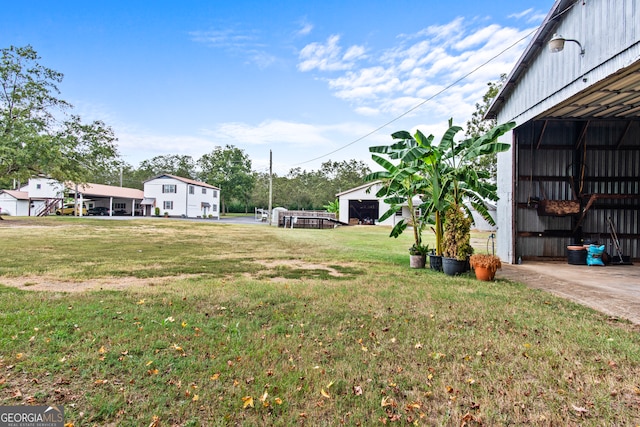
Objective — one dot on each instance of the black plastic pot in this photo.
(453, 267)
(435, 262)
(576, 255)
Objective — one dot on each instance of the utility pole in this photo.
(270, 185)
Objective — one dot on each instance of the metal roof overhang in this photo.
(615, 98)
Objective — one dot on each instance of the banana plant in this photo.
(441, 175)
(402, 183)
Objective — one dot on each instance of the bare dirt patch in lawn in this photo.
(52, 284)
(301, 265)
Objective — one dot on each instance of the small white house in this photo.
(39, 196)
(177, 196)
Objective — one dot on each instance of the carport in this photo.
(119, 200)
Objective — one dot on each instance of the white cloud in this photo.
(419, 67)
(268, 132)
(519, 15)
(242, 43)
(328, 56)
(305, 29)
(226, 38)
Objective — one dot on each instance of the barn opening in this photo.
(363, 211)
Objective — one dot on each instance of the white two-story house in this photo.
(183, 197)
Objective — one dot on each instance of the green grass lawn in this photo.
(190, 324)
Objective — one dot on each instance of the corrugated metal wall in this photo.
(611, 167)
(552, 78)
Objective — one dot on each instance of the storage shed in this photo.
(573, 170)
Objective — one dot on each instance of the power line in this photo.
(420, 104)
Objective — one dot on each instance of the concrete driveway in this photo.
(612, 289)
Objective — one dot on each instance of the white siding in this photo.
(184, 203)
(608, 31)
(12, 206)
(360, 193)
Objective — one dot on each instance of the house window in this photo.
(38, 186)
(168, 204)
(204, 191)
(214, 208)
(169, 188)
(215, 193)
(191, 189)
(399, 212)
(119, 206)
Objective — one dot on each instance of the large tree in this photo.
(478, 125)
(174, 164)
(228, 168)
(37, 135)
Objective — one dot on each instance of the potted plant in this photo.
(431, 178)
(418, 255)
(485, 266)
(402, 185)
(456, 242)
(157, 211)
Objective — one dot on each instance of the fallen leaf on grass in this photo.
(325, 394)
(357, 390)
(414, 405)
(278, 401)
(579, 409)
(247, 402)
(215, 376)
(388, 401)
(155, 421)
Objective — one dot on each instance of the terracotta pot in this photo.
(483, 273)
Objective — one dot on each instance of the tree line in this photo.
(242, 189)
(40, 136)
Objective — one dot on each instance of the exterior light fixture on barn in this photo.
(574, 160)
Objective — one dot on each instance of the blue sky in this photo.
(309, 80)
